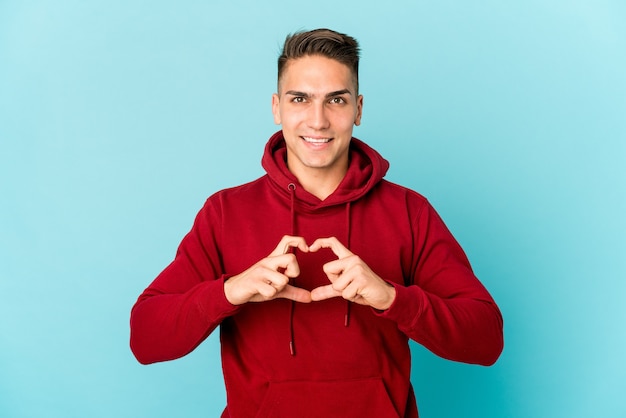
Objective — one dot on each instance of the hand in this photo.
(269, 278)
(351, 278)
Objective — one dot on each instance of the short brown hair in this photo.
(324, 42)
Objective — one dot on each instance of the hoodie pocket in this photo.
(343, 398)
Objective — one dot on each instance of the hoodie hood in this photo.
(366, 169)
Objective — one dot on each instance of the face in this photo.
(317, 106)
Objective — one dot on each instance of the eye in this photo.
(337, 100)
(298, 99)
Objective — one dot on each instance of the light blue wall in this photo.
(117, 120)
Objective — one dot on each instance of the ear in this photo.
(359, 110)
(276, 108)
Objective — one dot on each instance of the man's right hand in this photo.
(269, 278)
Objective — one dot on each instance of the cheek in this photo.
(292, 118)
(345, 122)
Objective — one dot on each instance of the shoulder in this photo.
(243, 194)
(387, 188)
(395, 198)
(245, 191)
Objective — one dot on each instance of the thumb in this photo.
(296, 294)
(324, 292)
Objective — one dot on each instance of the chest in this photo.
(378, 236)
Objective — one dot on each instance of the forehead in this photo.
(316, 72)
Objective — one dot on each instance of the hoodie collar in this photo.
(366, 169)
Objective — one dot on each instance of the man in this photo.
(319, 272)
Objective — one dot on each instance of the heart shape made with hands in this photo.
(350, 278)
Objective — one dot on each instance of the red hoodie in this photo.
(348, 360)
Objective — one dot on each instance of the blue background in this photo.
(118, 119)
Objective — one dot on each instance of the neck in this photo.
(320, 183)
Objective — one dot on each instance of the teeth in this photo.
(316, 140)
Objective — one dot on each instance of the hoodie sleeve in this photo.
(186, 302)
(444, 306)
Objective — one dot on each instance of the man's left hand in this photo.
(351, 278)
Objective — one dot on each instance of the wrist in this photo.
(386, 298)
(391, 291)
(228, 291)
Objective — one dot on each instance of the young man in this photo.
(319, 272)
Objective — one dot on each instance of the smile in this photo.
(316, 140)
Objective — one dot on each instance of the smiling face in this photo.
(317, 105)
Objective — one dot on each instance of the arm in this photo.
(445, 307)
(186, 301)
(192, 296)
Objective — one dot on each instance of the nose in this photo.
(317, 118)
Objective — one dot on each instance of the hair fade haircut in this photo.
(324, 42)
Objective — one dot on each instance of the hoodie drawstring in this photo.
(292, 344)
(292, 191)
(346, 321)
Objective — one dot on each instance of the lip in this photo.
(316, 140)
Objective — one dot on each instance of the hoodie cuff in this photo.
(213, 302)
(406, 307)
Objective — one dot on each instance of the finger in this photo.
(333, 243)
(344, 282)
(335, 269)
(324, 292)
(286, 263)
(275, 279)
(351, 292)
(296, 294)
(267, 290)
(287, 242)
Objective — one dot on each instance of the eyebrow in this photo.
(327, 95)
